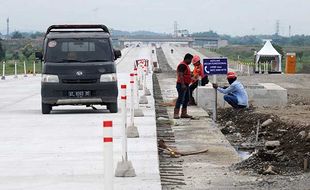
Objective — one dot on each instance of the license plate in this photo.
(79, 94)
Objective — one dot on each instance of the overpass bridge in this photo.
(201, 41)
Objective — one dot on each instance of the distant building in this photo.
(182, 33)
(209, 42)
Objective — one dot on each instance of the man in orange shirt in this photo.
(183, 82)
(198, 74)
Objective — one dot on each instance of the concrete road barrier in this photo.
(262, 94)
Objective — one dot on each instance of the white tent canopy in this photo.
(269, 51)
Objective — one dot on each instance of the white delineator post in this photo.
(15, 69)
(143, 98)
(132, 99)
(137, 112)
(25, 69)
(147, 66)
(144, 78)
(34, 68)
(136, 88)
(132, 131)
(3, 71)
(108, 154)
(124, 121)
(140, 77)
(124, 168)
(146, 90)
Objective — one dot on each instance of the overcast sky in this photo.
(235, 17)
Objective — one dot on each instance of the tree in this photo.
(17, 35)
(299, 55)
(2, 52)
(206, 34)
(278, 48)
(15, 55)
(27, 51)
(36, 35)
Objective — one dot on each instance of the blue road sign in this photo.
(215, 66)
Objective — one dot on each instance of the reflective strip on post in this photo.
(132, 75)
(123, 92)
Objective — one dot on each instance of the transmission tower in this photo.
(277, 27)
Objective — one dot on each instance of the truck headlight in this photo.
(50, 78)
(108, 77)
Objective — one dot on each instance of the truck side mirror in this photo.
(39, 56)
(117, 54)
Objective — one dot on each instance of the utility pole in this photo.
(175, 29)
(8, 28)
(289, 31)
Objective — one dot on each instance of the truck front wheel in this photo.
(112, 107)
(46, 108)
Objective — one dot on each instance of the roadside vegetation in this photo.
(20, 48)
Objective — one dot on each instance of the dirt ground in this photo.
(290, 126)
(287, 158)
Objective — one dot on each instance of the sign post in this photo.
(215, 66)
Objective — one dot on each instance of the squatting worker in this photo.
(183, 81)
(235, 94)
(198, 74)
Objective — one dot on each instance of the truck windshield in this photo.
(78, 50)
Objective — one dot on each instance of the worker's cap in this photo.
(196, 59)
(231, 75)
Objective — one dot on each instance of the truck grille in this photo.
(79, 81)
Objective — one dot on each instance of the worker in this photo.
(183, 81)
(198, 74)
(235, 94)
